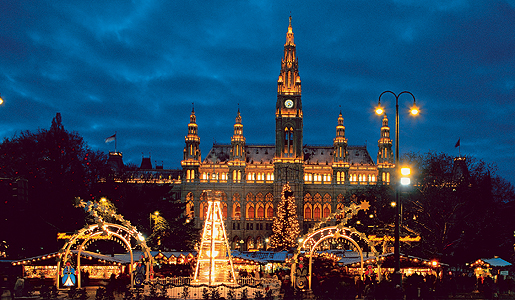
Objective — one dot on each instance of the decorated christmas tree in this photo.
(286, 224)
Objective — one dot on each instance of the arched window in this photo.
(327, 211)
(250, 211)
(190, 211)
(269, 211)
(224, 210)
(236, 208)
(316, 212)
(260, 211)
(203, 210)
(237, 211)
(307, 212)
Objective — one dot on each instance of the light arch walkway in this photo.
(127, 234)
(318, 234)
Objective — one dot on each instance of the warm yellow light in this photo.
(405, 181)
(434, 263)
(414, 110)
(379, 110)
(405, 171)
(103, 199)
(156, 213)
(393, 204)
(1, 100)
(212, 254)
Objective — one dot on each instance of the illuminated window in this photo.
(260, 211)
(316, 212)
(327, 210)
(307, 212)
(250, 211)
(224, 210)
(269, 211)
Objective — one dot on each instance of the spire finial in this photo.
(192, 107)
(290, 19)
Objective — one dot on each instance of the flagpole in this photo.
(115, 141)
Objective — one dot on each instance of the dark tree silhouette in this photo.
(56, 166)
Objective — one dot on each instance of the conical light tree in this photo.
(286, 224)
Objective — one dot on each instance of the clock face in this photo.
(288, 103)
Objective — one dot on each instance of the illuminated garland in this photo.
(349, 213)
(93, 208)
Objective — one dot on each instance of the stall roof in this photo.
(263, 257)
(85, 254)
(494, 262)
(353, 257)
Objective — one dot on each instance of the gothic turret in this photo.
(238, 154)
(340, 155)
(191, 161)
(385, 159)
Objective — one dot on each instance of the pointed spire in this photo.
(193, 118)
(289, 78)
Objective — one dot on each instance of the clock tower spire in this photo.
(288, 116)
(289, 154)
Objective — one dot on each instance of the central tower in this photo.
(289, 154)
(288, 113)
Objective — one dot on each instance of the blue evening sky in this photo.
(135, 67)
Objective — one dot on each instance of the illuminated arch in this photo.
(120, 232)
(313, 240)
(317, 235)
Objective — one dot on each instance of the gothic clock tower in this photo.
(289, 155)
(288, 114)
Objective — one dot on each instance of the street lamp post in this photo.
(156, 214)
(414, 111)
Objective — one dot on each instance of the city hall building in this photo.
(323, 178)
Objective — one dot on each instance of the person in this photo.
(18, 287)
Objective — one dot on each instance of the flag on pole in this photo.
(457, 144)
(111, 138)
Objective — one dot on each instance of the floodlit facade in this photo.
(250, 177)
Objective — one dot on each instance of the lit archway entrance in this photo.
(127, 234)
(318, 234)
(108, 231)
(313, 240)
